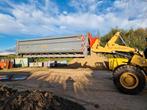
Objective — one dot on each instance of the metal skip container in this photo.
(35, 64)
(49, 64)
(21, 62)
(71, 46)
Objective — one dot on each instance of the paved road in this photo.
(102, 95)
(99, 94)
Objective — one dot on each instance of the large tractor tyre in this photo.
(129, 79)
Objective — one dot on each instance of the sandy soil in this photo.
(94, 61)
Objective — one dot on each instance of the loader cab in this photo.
(145, 50)
(145, 53)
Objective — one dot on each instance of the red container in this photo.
(2, 65)
(6, 64)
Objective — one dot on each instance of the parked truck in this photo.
(70, 46)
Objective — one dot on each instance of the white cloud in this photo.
(5, 53)
(8, 24)
(85, 5)
(27, 20)
(131, 9)
(43, 21)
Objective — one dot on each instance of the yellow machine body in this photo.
(139, 61)
(115, 62)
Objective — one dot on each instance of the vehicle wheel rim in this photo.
(129, 80)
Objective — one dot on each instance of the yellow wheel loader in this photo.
(129, 70)
(130, 77)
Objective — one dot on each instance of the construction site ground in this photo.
(94, 89)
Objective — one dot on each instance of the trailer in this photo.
(69, 46)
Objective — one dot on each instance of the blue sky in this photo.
(28, 19)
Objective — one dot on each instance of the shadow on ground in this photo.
(93, 89)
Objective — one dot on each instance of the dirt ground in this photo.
(12, 99)
(93, 89)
